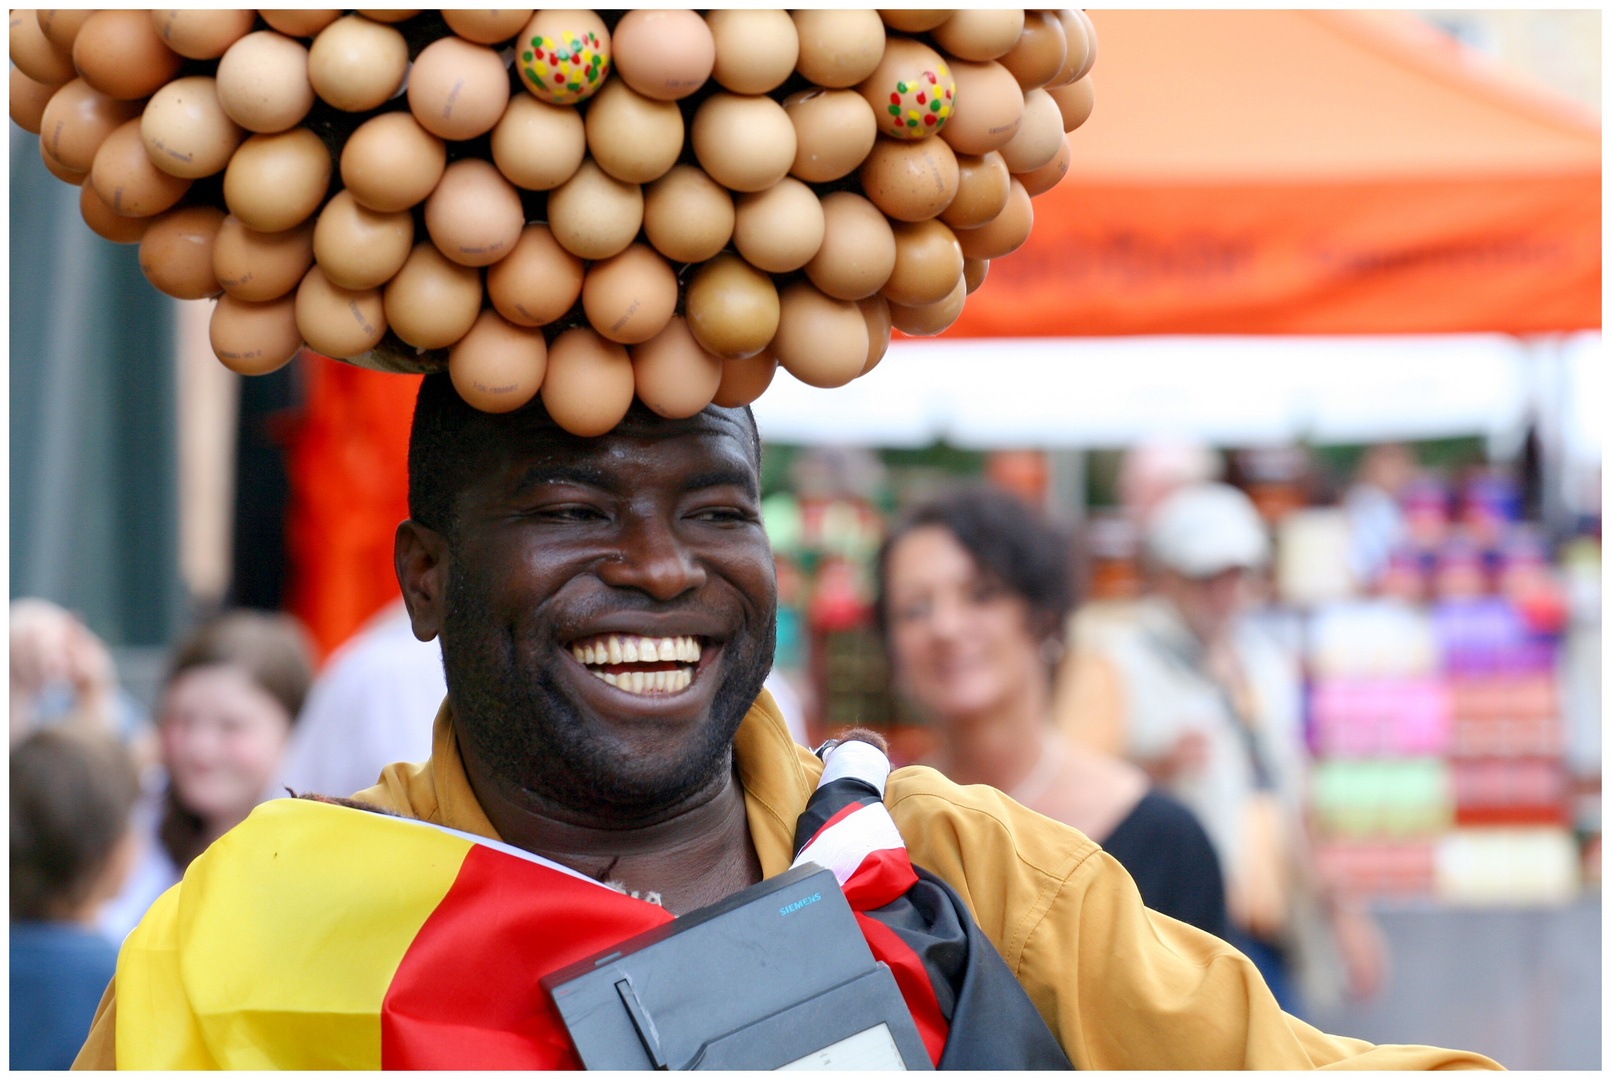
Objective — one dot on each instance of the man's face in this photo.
(610, 609)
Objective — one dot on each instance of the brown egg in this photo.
(1006, 233)
(973, 273)
(57, 169)
(779, 229)
(1077, 47)
(910, 181)
(980, 34)
(756, 48)
(497, 367)
(732, 308)
(839, 47)
(744, 143)
(356, 64)
(389, 15)
(593, 214)
(539, 146)
(118, 52)
(186, 131)
(299, 22)
(125, 178)
(990, 107)
(254, 339)
(391, 163)
(176, 252)
(589, 383)
(928, 262)
(911, 91)
(834, 130)
(432, 302)
(633, 137)
(982, 187)
(263, 82)
(629, 297)
(537, 282)
(875, 309)
(820, 341)
(673, 373)
(932, 318)
(78, 119)
(202, 33)
(34, 53)
(359, 248)
(858, 248)
(276, 182)
(914, 20)
(457, 90)
(105, 222)
(563, 55)
(486, 27)
(687, 216)
(28, 100)
(1090, 41)
(1039, 136)
(663, 53)
(1074, 102)
(1039, 181)
(745, 379)
(61, 25)
(338, 322)
(257, 266)
(1039, 53)
(474, 216)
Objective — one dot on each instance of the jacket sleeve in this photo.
(1122, 987)
(1132, 989)
(99, 1051)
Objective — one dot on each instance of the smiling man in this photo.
(606, 610)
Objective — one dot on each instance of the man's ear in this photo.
(421, 558)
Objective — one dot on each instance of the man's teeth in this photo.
(649, 682)
(617, 649)
(627, 649)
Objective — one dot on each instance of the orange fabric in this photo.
(349, 489)
(1292, 172)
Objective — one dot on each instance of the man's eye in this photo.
(568, 513)
(722, 515)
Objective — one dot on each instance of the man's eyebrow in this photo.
(564, 473)
(724, 477)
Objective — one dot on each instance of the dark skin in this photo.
(654, 530)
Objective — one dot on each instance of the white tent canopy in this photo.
(1112, 392)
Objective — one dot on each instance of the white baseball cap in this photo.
(1204, 529)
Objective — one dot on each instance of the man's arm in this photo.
(100, 1049)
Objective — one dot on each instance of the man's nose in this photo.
(654, 560)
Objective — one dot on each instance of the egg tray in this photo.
(588, 388)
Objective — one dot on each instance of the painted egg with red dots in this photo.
(911, 90)
(563, 56)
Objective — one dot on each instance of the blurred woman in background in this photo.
(231, 695)
(974, 590)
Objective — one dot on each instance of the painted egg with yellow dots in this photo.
(563, 56)
(912, 91)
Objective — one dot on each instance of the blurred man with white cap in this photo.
(1212, 709)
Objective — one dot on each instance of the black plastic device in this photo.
(776, 976)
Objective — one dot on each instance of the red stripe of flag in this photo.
(913, 979)
(466, 990)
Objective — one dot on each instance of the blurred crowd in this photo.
(1168, 727)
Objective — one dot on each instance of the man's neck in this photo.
(693, 855)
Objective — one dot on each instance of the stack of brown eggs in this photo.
(586, 205)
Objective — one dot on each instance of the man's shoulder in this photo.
(979, 828)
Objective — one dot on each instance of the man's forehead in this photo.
(720, 432)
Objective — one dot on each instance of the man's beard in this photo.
(530, 733)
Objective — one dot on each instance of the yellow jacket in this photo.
(1121, 986)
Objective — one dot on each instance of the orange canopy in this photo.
(1306, 172)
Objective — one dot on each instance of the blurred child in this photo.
(71, 849)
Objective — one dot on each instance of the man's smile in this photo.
(641, 665)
